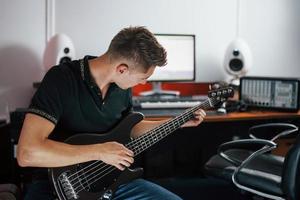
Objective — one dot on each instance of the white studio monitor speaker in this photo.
(59, 49)
(238, 60)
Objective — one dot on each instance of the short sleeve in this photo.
(47, 101)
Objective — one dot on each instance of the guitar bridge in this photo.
(67, 187)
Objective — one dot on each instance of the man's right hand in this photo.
(114, 153)
(35, 149)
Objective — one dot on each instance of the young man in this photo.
(91, 96)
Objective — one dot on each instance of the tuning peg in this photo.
(213, 94)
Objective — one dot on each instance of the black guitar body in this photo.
(74, 182)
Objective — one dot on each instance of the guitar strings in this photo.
(103, 173)
(143, 136)
(130, 146)
(133, 144)
(134, 141)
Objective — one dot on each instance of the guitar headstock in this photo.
(220, 95)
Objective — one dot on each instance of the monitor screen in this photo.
(180, 57)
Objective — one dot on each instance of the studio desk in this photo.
(184, 152)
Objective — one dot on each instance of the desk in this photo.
(238, 116)
(251, 115)
(186, 151)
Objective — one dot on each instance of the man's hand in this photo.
(198, 118)
(115, 154)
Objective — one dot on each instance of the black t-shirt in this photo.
(69, 97)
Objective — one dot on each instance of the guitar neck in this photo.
(153, 136)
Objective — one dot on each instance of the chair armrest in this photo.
(286, 129)
(244, 163)
(249, 144)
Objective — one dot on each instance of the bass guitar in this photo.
(96, 180)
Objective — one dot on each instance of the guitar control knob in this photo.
(107, 195)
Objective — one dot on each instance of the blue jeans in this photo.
(138, 189)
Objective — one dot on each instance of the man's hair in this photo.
(139, 45)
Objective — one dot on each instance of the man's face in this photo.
(133, 77)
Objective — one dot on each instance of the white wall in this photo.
(94, 23)
(22, 41)
(270, 27)
(272, 30)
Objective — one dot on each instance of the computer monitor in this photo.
(180, 62)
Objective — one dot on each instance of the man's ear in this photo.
(122, 68)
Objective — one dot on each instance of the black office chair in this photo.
(249, 164)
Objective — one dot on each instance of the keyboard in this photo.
(167, 103)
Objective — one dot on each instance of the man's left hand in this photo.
(198, 118)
